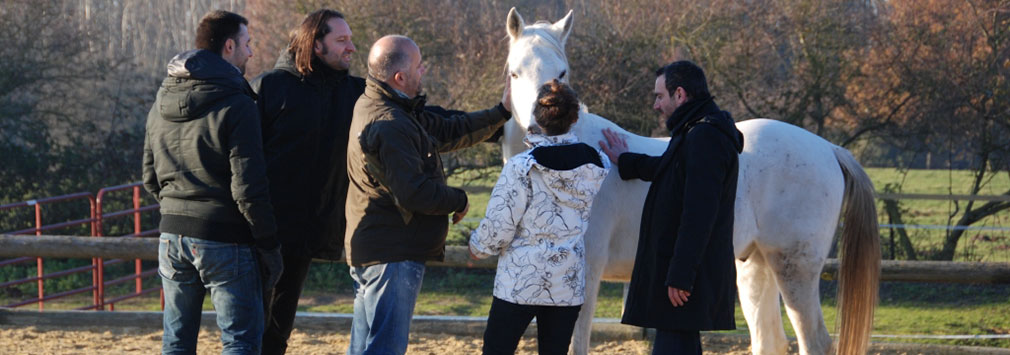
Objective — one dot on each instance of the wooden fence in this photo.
(458, 256)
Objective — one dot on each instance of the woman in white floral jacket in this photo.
(536, 217)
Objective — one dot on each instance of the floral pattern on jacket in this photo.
(535, 221)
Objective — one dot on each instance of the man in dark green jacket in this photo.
(398, 201)
(684, 279)
(203, 161)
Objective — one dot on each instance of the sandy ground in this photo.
(127, 340)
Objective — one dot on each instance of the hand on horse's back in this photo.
(614, 146)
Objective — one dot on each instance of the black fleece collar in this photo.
(690, 112)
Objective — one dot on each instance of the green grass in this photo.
(905, 308)
(974, 245)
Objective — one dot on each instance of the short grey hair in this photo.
(387, 61)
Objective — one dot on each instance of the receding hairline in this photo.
(398, 44)
(390, 51)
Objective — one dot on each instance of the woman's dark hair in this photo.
(216, 27)
(314, 27)
(557, 108)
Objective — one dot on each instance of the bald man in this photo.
(398, 203)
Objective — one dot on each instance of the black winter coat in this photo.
(686, 238)
(305, 123)
(203, 158)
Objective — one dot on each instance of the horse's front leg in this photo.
(584, 326)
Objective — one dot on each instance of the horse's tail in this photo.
(859, 272)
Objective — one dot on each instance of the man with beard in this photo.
(203, 161)
(306, 103)
(684, 279)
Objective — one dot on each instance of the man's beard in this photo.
(338, 64)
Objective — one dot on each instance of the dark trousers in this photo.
(281, 316)
(507, 322)
(678, 342)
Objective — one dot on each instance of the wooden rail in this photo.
(459, 256)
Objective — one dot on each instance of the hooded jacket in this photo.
(536, 219)
(203, 154)
(398, 201)
(305, 123)
(686, 236)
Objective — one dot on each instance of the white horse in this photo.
(791, 189)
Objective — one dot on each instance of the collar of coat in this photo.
(321, 73)
(414, 105)
(690, 112)
(534, 140)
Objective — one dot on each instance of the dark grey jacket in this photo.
(203, 154)
(398, 201)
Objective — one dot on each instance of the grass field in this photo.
(983, 245)
(974, 245)
(905, 308)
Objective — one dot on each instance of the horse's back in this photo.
(790, 188)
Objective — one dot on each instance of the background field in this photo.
(905, 308)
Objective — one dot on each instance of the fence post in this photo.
(99, 231)
(136, 234)
(38, 261)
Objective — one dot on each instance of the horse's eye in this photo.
(515, 76)
(562, 76)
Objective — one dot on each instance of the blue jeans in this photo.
(191, 266)
(384, 297)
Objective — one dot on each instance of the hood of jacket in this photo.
(197, 81)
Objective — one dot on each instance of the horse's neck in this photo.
(590, 127)
(589, 130)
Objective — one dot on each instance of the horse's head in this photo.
(536, 55)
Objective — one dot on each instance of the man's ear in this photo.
(683, 93)
(229, 47)
(317, 47)
(398, 77)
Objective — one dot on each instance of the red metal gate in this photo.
(97, 228)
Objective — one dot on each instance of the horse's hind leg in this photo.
(759, 299)
(798, 273)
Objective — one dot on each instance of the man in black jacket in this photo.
(306, 104)
(203, 161)
(398, 202)
(684, 279)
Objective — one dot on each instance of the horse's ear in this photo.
(563, 27)
(514, 25)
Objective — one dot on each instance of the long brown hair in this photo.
(303, 43)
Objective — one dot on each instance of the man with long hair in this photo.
(203, 162)
(306, 103)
